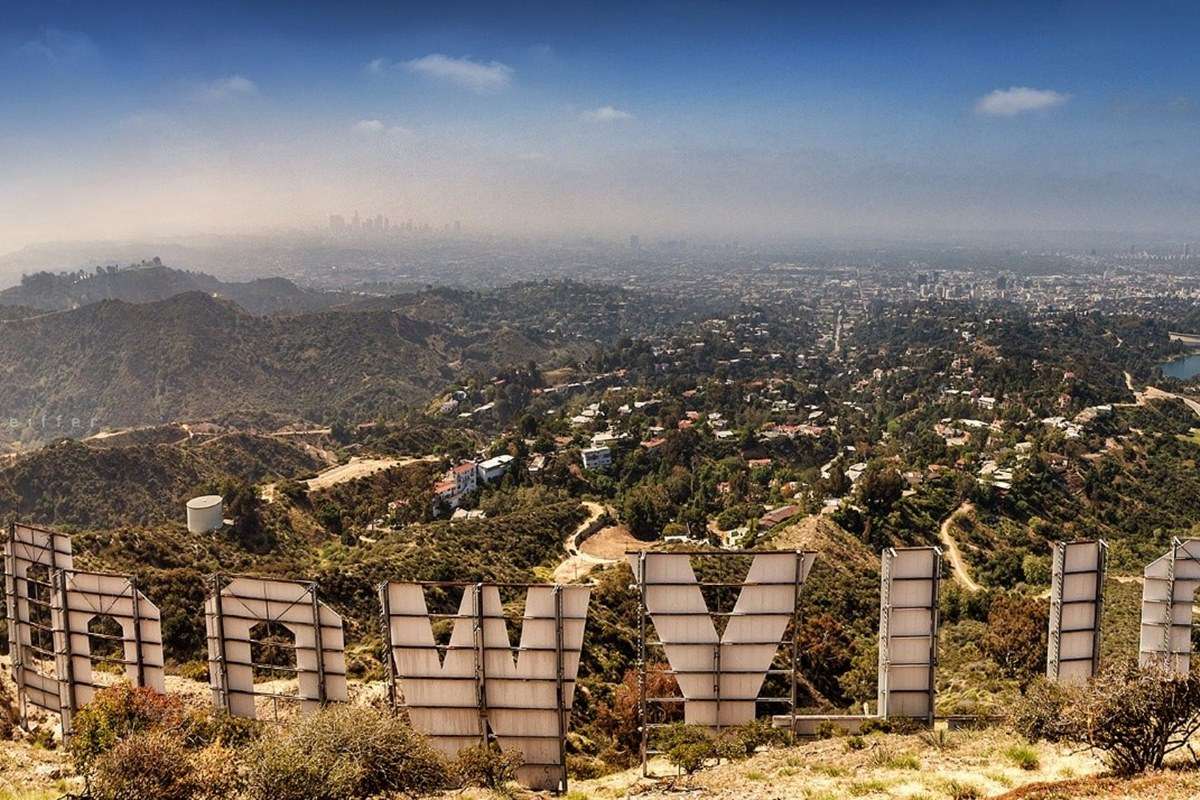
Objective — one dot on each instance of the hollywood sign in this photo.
(477, 688)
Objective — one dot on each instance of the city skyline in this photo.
(746, 122)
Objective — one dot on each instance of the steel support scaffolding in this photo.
(511, 687)
(673, 604)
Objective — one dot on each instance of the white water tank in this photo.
(204, 513)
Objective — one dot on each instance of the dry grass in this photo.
(955, 766)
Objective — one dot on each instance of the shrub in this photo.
(156, 765)
(875, 725)
(901, 761)
(743, 740)
(116, 713)
(1023, 756)
(686, 747)
(131, 742)
(343, 753)
(583, 767)
(8, 712)
(1134, 716)
(957, 790)
(1039, 713)
(489, 767)
(825, 730)
(195, 670)
(203, 727)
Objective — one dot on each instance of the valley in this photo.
(538, 432)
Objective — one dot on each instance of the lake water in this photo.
(1182, 368)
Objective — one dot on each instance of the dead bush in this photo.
(489, 767)
(156, 765)
(344, 753)
(1132, 716)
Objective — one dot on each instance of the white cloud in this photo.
(232, 86)
(369, 126)
(478, 76)
(375, 127)
(1017, 100)
(606, 114)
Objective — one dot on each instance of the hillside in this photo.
(69, 483)
(567, 308)
(151, 281)
(116, 364)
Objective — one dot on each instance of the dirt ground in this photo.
(611, 543)
(356, 467)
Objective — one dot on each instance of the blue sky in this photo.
(718, 119)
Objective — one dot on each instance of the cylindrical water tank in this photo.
(204, 513)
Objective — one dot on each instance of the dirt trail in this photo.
(578, 563)
(957, 565)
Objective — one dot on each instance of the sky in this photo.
(716, 120)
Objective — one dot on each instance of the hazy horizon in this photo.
(705, 120)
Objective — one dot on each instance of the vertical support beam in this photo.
(15, 645)
(716, 665)
(317, 644)
(64, 664)
(480, 662)
(885, 621)
(1169, 607)
(795, 688)
(1100, 579)
(385, 628)
(222, 664)
(136, 613)
(935, 612)
(1054, 641)
(559, 687)
(642, 715)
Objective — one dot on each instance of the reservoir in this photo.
(1184, 368)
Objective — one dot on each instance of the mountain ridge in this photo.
(150, 281)
(194, 357)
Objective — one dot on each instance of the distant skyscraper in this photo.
(457, 226)
(337, 223)
(635, 242)
(354, 222)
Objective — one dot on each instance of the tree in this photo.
(340, 432)
(243, 504)
(826, 650)
(880, 487)
(646, 509)
(1016, 636)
